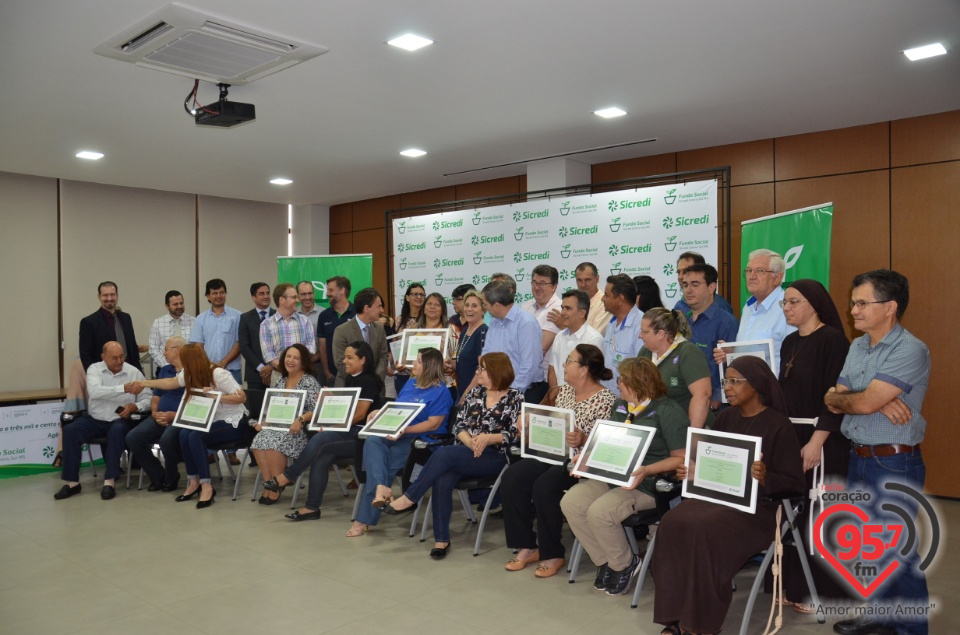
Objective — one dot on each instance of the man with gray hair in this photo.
(514, 332)
(762, 316)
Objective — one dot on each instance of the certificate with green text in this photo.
(414, 340)
(335, 409)
(281, 407)
(392, 419)
(197, 409)
(613, 451)
(719, 468)
(545, 431)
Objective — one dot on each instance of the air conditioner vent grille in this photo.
(208, 56)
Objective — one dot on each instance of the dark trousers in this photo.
(193, 445)
(447, 465)
(81, 431)
(140, 442)
(322, 450)
(530, 492)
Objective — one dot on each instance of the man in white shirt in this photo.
(543, 283)
(115, 394)
(175, 323)
(574, 309)
(588, 281)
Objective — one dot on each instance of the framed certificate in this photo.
(335, 409)
(718, 468)
(392, 418)
(545, 431)
(756, 348)
(415, 339)
(281, 407)
(197, 409)
(613, 451)
(394, 342)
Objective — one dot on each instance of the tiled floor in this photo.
(144, 564)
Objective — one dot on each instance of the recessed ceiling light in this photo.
(281, 181)
(923, 52)
(413, 153)
(609, 113)
(410, 42)
(87, 154)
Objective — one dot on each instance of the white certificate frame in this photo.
(693, 487)
(318, 422)
(526, 451)
(406, 359)
(756, 348)
(280, 393)
(185, 420)
(604, 428)
(394, 345)
(410, 410)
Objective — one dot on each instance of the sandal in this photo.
(356, 532)
(518, 564)
(380, 503)
(804, 608)
(58, 460)
(671, 629)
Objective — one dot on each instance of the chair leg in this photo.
(216, 461)
(243, 464)
(755, 589)
(426, 518)
(356, 501)
(256, 485)
(804, 563)
(296, 491)
(486, 511)
(93, 465)
(343, 486)
(226, 461)
(413, 522)
(575, 553)
(465, 503)
(643, 572)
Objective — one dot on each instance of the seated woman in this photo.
(200, 374)
(272, 448)
(702, 545)
(384, 457)
(486, 425)
(682, 365)
(327, 446)
(531, 490)
(595, 509)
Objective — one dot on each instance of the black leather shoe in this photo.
(186, 497)
(155, 487)
(207, 503)
(390, 511)
(108, 492)
(297, 516)
(66, 491)
(170, 487)
(439, 554)
(862, 626)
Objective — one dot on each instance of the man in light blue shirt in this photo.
(621, 339)
(514, 332)
(217, 328)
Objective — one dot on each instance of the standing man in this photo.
(762, 316)
(175, 323)
(684, 262)
(621, 339)
(880, 392)
(286, 327)
(115, 394)
(108, 324)
(257, 372)
(308, 305)
(364, 327)
(543, 284)
(216, 328)
(339, 312)
(708, 321)
(574, 309)
(588, 281)
(513, 332)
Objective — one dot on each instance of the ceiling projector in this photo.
(225, 114)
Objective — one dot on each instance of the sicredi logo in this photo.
(629, 204)
(478, 279)
(444, 262)
(445, 224)
(578, 231)
(486, 239)
(521, 215)
(411, 246)
(623, 250)
(526, 256)
(403, 283)
(683, 221)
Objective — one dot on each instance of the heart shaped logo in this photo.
(832, 559)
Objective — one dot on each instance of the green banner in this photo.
(802, 237)
(358, 268)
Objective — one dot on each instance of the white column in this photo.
(551, 173)
(311, 230)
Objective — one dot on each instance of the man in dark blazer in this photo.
(368, 305)
(100, 327)
(248, 336)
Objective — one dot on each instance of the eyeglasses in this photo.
(733, 381)
(480, 369)
(570, 360)
(862, 304)
(749, 272)
(540, 285)
(792, 303)
(290, 297)
(417, 295)
(457, 298)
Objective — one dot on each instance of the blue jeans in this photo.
(322, 449)
(908, 585)
(382, 460)
(447, 465)
(82, 431)
(140, 441)
(193, 446)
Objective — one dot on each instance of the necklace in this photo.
(462, 342)
(796, 350)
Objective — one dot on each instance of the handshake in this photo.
(134, 388)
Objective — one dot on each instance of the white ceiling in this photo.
(505, 81)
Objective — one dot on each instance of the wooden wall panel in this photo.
(374, 241)
(746, 202)
(925, 226)
(861, 225)
(494, 187)
(341, 243)
(833, 152)
(630, 168)
(749, 163)
(341, 218)
(428, 197)
(925, 139)
(369, 214)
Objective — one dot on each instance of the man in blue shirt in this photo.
(217, 329)
(708, 321)
(684, 262)
(514, 332)
(621, 339)
(341, 310)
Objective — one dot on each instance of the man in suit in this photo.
(108, 324)
(256, 370)
(364, 327)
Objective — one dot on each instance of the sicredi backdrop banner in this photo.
(636, 232)
(358, 268)
(801, 236)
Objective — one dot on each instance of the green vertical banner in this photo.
(801, 236)
(358, 268)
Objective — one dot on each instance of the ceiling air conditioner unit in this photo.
(181, 40)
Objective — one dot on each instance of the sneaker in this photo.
(603, 578)
(620, 581)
